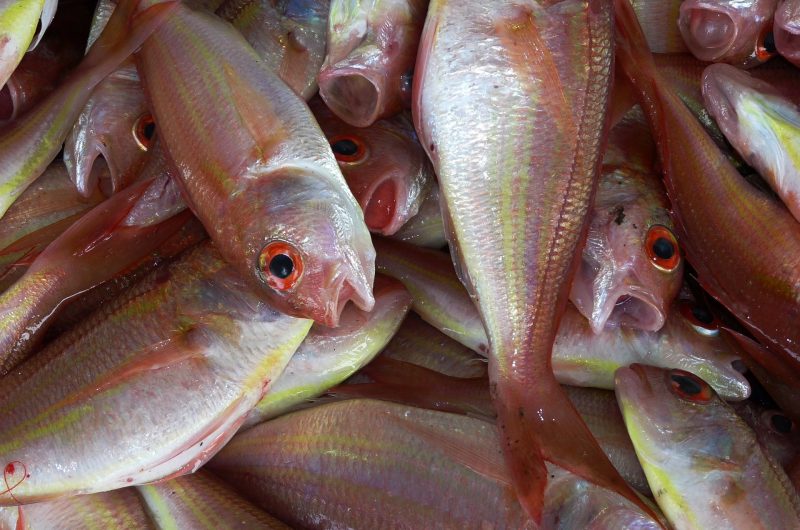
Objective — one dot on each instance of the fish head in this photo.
(307, 254)
(631, 266)
(776, 431)
(384, 166)
(734, 31)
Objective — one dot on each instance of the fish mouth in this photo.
(630, 382)
(347, 290)
(708, 30)
(630, 309)
(381, 208)
(354, 95)
(786, 31)
(719, 91)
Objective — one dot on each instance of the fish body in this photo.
(702, 461)
(659, 20)
(292, 225)
(372, 46)
(148, 387)
(733, 31)
(384, 165)
(631, 267)
(328, 356)
(787, 30)
(761, 124)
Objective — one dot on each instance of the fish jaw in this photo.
(761, 124)
(787, 30)
(728, 31)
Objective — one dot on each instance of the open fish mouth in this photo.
(352, 94)
(630, 309)
(382, 206)
(709, 31)
(347, 290)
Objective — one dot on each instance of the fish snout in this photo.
(356, 95)
(630, 308)
(708, 30)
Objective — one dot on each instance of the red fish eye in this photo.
(144, 128)
(662, 248)
(700, 318)
(765, 47)
(689, 387)
(778, 422)
(348, 149)
(281, 265)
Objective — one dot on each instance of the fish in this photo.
(426, 229)
(328, 356)
(32, 141)
(417, 342)
(292, 226)
(776, 432)
(95, 248)
(121, 508)
(732, 31)
(761, 124)
(384, 165)
(702, 461)
(194, 349)
(631, 267)
(18, 30)
(743, 243)
(787, 29)
(439, 297)
(659, 20)
(201, 500)
(517, 213)
(289, 35)
(382, 455)
(43, 211)
(370, 57)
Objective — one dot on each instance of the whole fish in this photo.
(776, 432)
(659, 20)
(426, 229)
(94, 249)
(702, 461)
(761, 124)
(384, 165)
(787, 30)
(30, 143)
(329, 356)
(516, 213)
(439, 298)
(202, 501)
(47, 208)
(372, 47)
(743, 243)
(194, 349)
(382, 455)
(631, 267)
(119, 509)
(419, 343)
(291, 224)
(734, 31)
(289, 35)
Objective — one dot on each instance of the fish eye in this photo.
(281, 265)
(144, 129)
(348, 149)
(765, 46)
(661, 247)
(779, 422)
(689, 387)
(701, 319)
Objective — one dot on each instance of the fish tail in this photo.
(124, 33)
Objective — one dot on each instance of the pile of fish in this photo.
(399, 264)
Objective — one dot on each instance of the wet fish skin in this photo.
(389, 173)
(622, 280)
(271, 175)
(372, 47)
(659, 20)
(328, 356)
(787, 30)
(721, 219)
(761, 124)
(194, 349)
(733, 31)
(202, 501)
(702, 461)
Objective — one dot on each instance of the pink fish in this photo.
(787, 30)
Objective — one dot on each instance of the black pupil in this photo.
(281, 266)
(149, 130)
(687, 385)
(663, 248)
(781, 423)
(345, 147)
(769, 43)
(702, 315)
